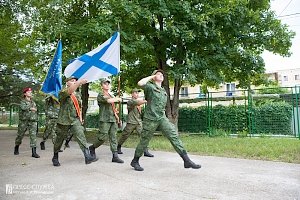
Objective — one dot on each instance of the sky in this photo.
(282, 8)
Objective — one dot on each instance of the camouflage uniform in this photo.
(155, 117)
(68, 121)
(107, 125)
(134, 121)
(27, 120)
(51, 111)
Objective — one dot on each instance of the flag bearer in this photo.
(70, 119)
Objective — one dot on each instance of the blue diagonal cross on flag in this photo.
(101, 62)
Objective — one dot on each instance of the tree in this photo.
(195, 41)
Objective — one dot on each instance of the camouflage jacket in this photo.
(156, 101)
(25, 113)
(134, 115)
(106, 113)
(67, 114)
(52, 108)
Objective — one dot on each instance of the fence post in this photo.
(209, 110)
(297, 88)
(250, 114)
(10, 115)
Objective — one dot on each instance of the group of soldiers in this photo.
(64, 117)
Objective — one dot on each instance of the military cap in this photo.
(103, 80)
(135, 90)
(157, 70)
(71, 77)
(27, 89)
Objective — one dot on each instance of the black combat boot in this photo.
(34, 154)
(16, 152)
(42, 145)
(188, 163)
(135, 164)
(119, 149)
(88, 158)
(147, 154)
(92, 151)
(55, 160)
(116, 158)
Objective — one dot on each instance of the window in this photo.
(297, 77)
(285, 78)
(201, 93)
(230, 89)
(184, 92)
(91, 102)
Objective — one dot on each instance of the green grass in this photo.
(273, 149)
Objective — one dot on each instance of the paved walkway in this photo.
(24, 177)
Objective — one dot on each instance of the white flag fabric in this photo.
(99, 63)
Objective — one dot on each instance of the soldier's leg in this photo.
(52, 129)
(147, 133)
(168, 129)
(102, 134)
(78, 130)
(139, 129)
(46, 133)
(22, 127)
(112, 136)
(129, 128)
(47, 130)
(61, 131)
(32, 126)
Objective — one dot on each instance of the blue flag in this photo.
(53, 81)
(101, 62)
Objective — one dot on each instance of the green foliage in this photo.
(273, 88)
(269, 118)
(92, 121)
(274, 118)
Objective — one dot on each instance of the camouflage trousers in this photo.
(129, 128)
(22, 128)
(168, 130)
(50, 129)
(107, 130)
(76, 129)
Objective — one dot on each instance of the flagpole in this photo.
(119, 95)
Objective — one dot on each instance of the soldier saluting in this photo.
(155, 117)
(27, 120)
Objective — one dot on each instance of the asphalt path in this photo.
(165, 178)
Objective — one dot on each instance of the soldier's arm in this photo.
(24, 106)
(72, 88)
(145, 80)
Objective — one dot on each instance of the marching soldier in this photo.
(109, 121)
(51, 111)
(155, 117)
(27, 120)
(70, 119)
(134, 120)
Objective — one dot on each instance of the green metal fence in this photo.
(251, 112)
